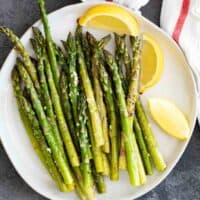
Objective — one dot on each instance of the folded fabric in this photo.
(181, 19)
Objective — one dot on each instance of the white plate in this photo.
(176, 84)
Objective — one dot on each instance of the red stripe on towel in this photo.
(181, 19)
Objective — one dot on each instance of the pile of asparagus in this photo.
(82, 110)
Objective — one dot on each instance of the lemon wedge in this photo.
(152, 61)
(112, 18)
(169, 117)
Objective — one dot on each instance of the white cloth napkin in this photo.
(181, 20)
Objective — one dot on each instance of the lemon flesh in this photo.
(169, 117)
(152, 62)
(112, 18)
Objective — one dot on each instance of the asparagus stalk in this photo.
(88, 191)
(131, 158)
(98, 46)
(67, 139)
(122, 155)
(84, 142)
(81, 193)
(60, 57)
(106, 165)
(97, 154)
(47, 103)
(149, 137)
(47, 130)
(70, 47)
(125, 56)
(99, 94)
(33, 129)
(50, 165)
(118, 53)
(113, 133)
(142, 146)
(102, 111)
(24, 54)
(49, 106)
(132, 97)
(96, 51)
(87, 53)
(138, 134)
(38, 35)
(133, 93)
(80, 183)
(100, 102)
(119, 60)
(50, 46)
(92, 106)
(118, 57)
(141, 169)
(99, 181)
(67, 108)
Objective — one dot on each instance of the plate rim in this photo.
(169, 169)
